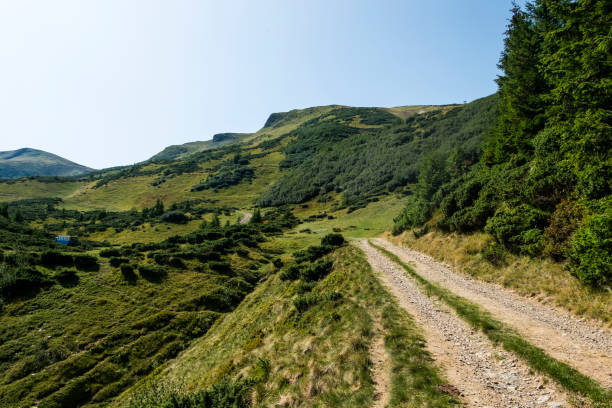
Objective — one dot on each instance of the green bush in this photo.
(66, 277)
(174, 217)
(176, 262)
(18, 281)
(52, 259)
(110, 252)
(292, 272)
(127, 271)
(332, 240)
(305, 287)
(224, 394)
(116, 261)
(304, 302)
(223, 267)
(518, 228)
(85, 262)
(316, 271)
(590, 251)
(152, 273)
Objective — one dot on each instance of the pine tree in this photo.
(256, 218)
(215, 223)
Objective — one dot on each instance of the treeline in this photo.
(335, 153)
(542, 186)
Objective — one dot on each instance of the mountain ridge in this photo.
(27, 162)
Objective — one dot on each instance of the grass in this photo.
(543, 279)
(25, 188)
(316, 358)
(480, 319)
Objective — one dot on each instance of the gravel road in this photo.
(585, 347)
(486, 376)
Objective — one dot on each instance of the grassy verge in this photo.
(480, 319)
(318, 356)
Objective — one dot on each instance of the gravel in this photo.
(484, 374)
(585, 346)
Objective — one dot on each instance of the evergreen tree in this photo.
(215, 223)
(256, 218)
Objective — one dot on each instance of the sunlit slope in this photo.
(252, 169)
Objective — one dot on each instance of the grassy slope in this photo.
(137, 192)
(316, 358)
(65, 323)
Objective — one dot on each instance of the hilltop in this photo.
(32, 162)
(181, 151)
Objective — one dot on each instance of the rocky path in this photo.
(246, 217)
(585, 347)
(486, 376)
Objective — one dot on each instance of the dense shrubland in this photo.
(543, 183)
(336, 153)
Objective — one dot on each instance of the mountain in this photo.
(32, 162)
(180, 151)
(271, 269)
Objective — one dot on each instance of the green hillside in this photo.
(224, 273)
(181, 151)
(544, 181)
(31, 162)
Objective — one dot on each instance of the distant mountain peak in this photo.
(28, 162)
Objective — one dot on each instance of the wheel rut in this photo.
(585, 347)
(485, 375)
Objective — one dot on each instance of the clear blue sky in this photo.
(112, 82)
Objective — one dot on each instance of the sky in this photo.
(112, 82)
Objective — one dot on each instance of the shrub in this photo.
(176, 263)
(291, 273)
(590, 251)
(312, 253)
(332, 296)
(127, 271)
(316, 271)
(304, 302)
(161, 258)
(305, 287)
(518, 228)
(220, 266)
(332, 240)
(85, 262)
(152, 273)
(116, 261)
(563, 223)
(174, 217)
(109, 252)
(21, 280)
(278, 263)
(52, 259)
(66, 277)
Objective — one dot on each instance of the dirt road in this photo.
(585, 347)
(485, 375)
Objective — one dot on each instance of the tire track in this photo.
(586, 348)
(485, 375)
